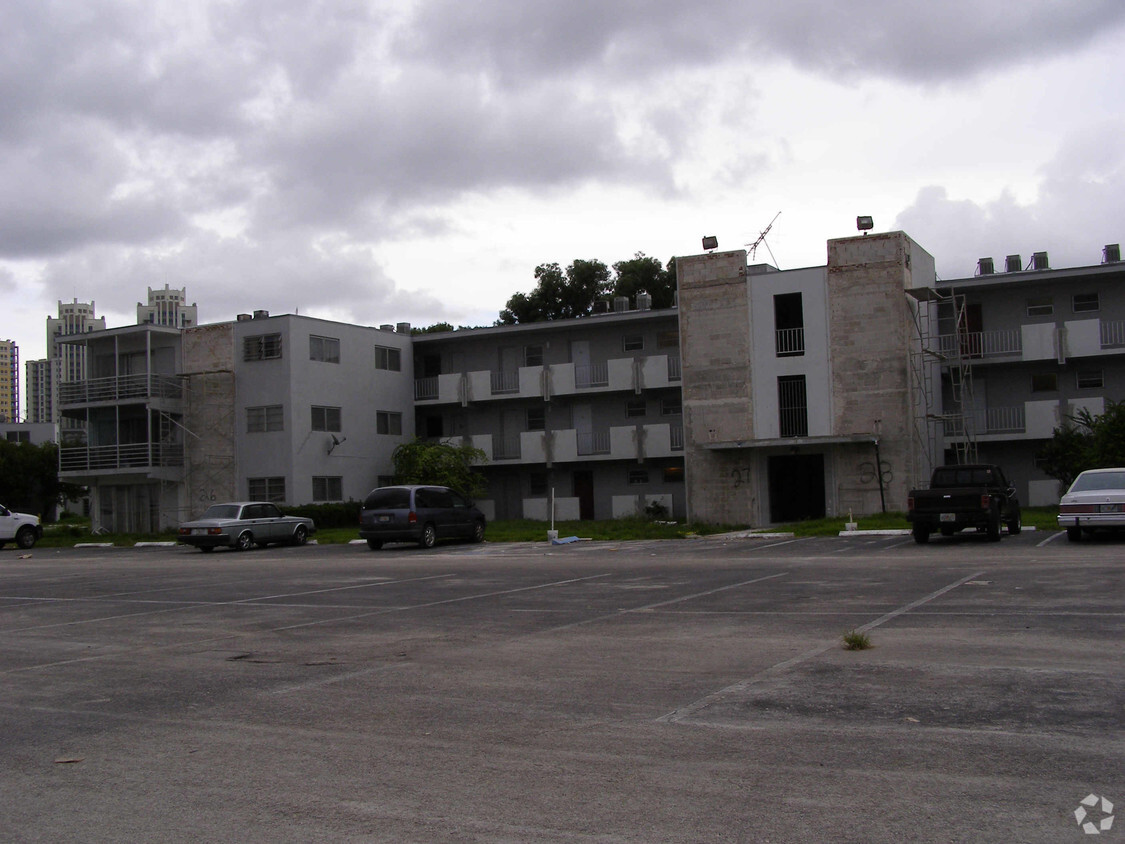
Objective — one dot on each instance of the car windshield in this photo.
(388, 498)
(221, 511)
(1088, 481)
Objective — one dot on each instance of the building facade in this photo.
(168, 307)
(9, 381)
(64, 363)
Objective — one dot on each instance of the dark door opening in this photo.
(796, 487)
(584, 492)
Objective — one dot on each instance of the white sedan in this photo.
(242, 525)
(1095, 500)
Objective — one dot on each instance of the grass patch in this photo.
(856, 641)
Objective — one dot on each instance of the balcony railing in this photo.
(505, 446)
(982, 344)
(591, 442)
(674, 367)
(131, 456)
(120, 388)
(425, 388)
(790, 342)
(1113, 333)
(991, 420)
(591, 375)
(507, 381)
(676, 434)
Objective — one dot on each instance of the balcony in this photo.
(103, 458)
(1113, 334)
(591, 375)
(120, 388)
(506, 447)
(789, 342)
(982, 344)
(425, 388)
(592, 442)
(992, 420)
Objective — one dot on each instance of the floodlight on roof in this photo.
(710, 242)
(864, 224)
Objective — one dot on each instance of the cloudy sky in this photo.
(414, 160)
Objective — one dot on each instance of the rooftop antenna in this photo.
(762, 239)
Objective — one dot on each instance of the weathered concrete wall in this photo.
(209, 403)
(717, 380)
(871, 332)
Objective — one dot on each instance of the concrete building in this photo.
(64, 362)
(9, 381)
(27, 432)
(168, 307)
(1037, 346)
(585, 412)
(797, 385)
(288, 408)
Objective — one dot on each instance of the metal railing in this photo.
(983, 344)
(505, 446)
(591, 375)
(425, 388)
(991, 420)
(120, 388)
(507, 381)
(790, 341)
(592, 442)
(130, 456)
(676, 432)
(674, 368)
(1113, 333)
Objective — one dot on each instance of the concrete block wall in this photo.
(210, 470)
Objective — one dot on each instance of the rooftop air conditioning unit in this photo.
(1039, 261)
(386, 327)
(1013, 264)
(244, 317)
(601, 306)
(620, 304)
(261, 314)
(1112, 253)
(402, 328)
(644, 301)
(985, 267)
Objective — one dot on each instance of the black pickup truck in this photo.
(975, 495)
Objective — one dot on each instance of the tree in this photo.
(559, 294)
(29, 478)
(1085, 441)
(440, 463)
(642, 274)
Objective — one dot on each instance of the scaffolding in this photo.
(935, 424)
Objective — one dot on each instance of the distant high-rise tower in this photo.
(65, 361)
(167, 307)
(9, 381)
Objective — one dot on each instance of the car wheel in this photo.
(245, 541)
(993, 529)
(25, 537)
(300, 535)
(478, 532)
(1015, 525)
(429, 537)
(1074, 534)
(374, 544)
(921, 534)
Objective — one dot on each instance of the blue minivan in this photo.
(422, 514)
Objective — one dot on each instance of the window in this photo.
(1044, 382)
(326, 419)
(792, 406)
(789, 324)
(1041, 306)
(536, 419)
(324, 349)
(532, 355)
(19, 436)
(328, 488)
(671, 406)
(388, 358)
(633, 343)
(267, 489)
(636, 407)
(1084, 302)
(668, 339)
(1089, 379)
(262, 419)
(673, 474)
(388, 422)
(261, 347)
(638, 477)
(537, 483)
(434, 427)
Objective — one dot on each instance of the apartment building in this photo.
(168, 307)
(286, 408)
(9, 381)
(1036, 345)
(64, 362)
(581, 418)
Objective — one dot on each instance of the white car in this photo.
(21, 527)
(1095, 500)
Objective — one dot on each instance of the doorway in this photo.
(796, 487)
(584, 492)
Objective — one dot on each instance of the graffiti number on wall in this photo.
(741, 476)
(867, 472)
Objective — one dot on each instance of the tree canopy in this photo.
(1084, 442)
(440, 463)
(29, 478)
(566, 293)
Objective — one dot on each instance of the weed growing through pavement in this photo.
(855, 641)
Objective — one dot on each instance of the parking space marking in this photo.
(740, 687)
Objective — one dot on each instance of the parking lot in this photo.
(650, 691)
